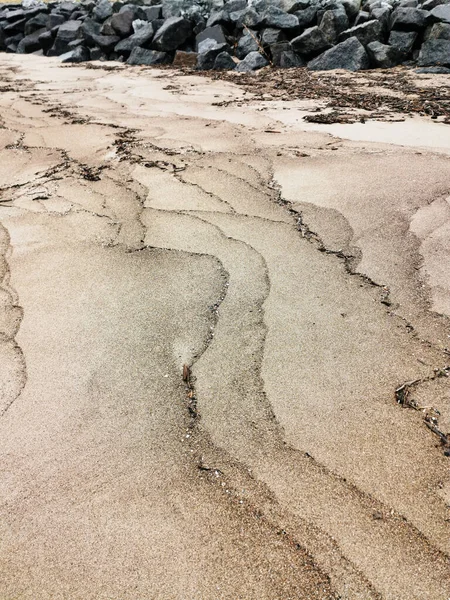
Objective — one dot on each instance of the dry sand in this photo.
(151, 220)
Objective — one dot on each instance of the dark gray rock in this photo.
(15, 27)
(275, 17)
(352, 7)
(14, 15)
(311, 41)
(67, 8)
(409, 19)
(172, 34)
(435, 53)
(372, 31)
(122, 23)
(138, 11)
(349, 55)
(141, 38)
(434, 70)
(403, 41)
(97, 54)
(248, 17)
(102, 11)
(220, 17)
(54, 20)
(107, 28)
(89, 29)
(441, 13)
(430, 4)
(224, 62)
(12, 42)
(142, 56)
(271, 36)
(206, 58)
(106, 43)
(77, 55)
(333, 23)
(246, 44)
(439, 31)
(46, 40)
(307, 17)
(252, 62)
(153, 12)
(383, 15)
(287, 59)
(38, 22)
(214, 33)
(30, 43)
(67, 32)
(383, 56)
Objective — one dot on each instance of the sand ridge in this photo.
(153, 227)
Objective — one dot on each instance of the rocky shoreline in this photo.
(236, 35)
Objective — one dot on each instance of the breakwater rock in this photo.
(245, 35)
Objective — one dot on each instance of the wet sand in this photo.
(155, 224)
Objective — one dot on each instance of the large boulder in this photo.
(409, 19)
(333, 23)
(30, 43)
(141, 38)
(106, 43)
(383, 56)
(435, 53)
(403, 41)
(102, 11)
(349, 55)
(307, 17)
(122, 23)
(38, 22)
(89, 29)
(67, 32)
(275, 17)
(311, 41)
(246, 44)
(252, 62)
(270, 36)
(214, 33)
(372, 31)
(224, 62)
(208, 53)
(441, 13)
(439, 31)
(142, 56)
(172, 34)
(77, 55)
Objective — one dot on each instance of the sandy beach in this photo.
(224, 340)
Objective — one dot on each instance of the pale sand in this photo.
(144, 226)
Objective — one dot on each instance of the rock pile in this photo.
(245, 35)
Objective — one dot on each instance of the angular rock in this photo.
(408, 19)
(97, 53)
(311, 41)
(383, 15)
(122, 23)
(252, 62)
(383, 56)
(307, 17)
(102, 11)
(206, 59)
(172, 34)
(271, 36)
(67, 32)
(247, 43)
(435, 53)
(54, 20)
(141, 38)
(362, 17)
(352, 7)
(46, 40)
(441, 13)
(224, 62)
(38, 22)
(107, 28)
(30, 43)
(153, 12)
(142, 56)
(275, 17)
(349, 55)
(333, 23)
(106, 42)
(214, 33)
(403, 41)
(372, 31)
(78, 55)
(248, 17)
(439, 31)
(89, 29)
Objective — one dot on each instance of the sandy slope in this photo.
(302, 277)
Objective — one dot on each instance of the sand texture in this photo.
(206, 308)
